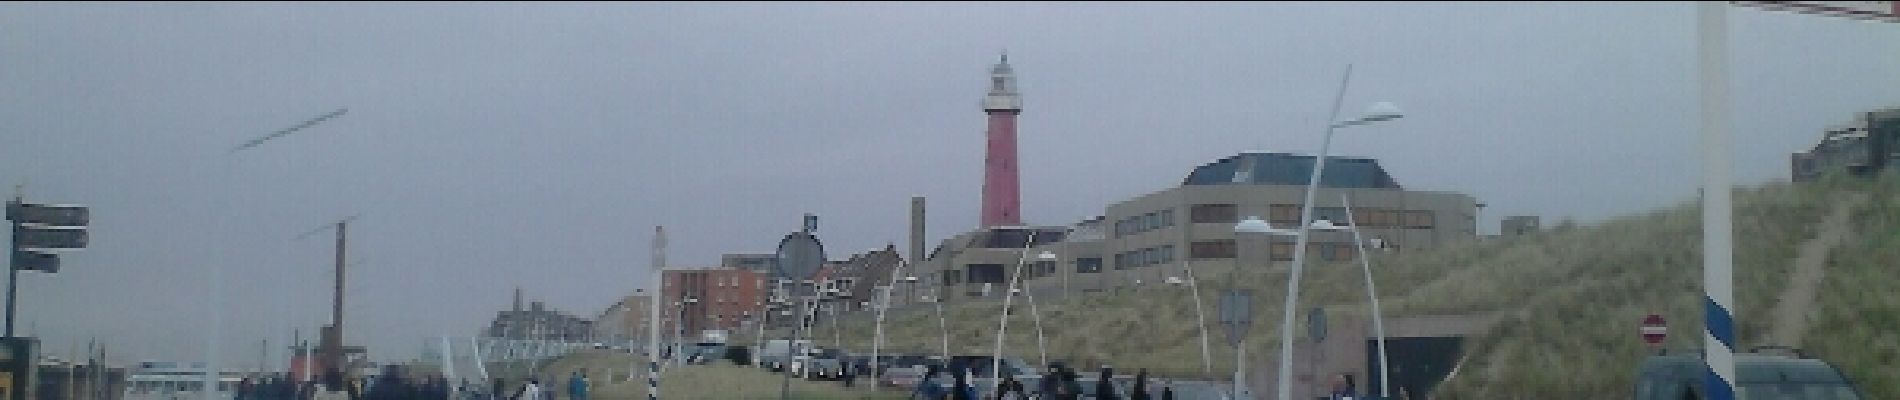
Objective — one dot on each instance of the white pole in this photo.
(1200, 321)
(877, 342)
(1299, 250)
(996, 361)
(653, 313)
(1042, 349)
(1372, 292)
(943, 328)
(1717, 227)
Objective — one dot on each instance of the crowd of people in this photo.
(1057, 383)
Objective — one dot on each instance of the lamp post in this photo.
(1372, 293)
(1378, 112)
(943, 328)
(1010, 283)
(884, 304)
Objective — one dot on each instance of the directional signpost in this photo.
(40, 232)
(1718, 229)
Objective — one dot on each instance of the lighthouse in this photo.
(1002, 191)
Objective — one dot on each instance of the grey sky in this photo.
(490, 146)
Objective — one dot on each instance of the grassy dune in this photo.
(1857, 322)
(1572, 298)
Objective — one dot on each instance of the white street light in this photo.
(1011, 281)
(1378, 112)
(1042, 349)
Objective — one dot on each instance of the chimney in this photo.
(916, 229)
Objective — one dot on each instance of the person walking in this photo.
(928, 388)
(1141, 386)
(962, 390)
(1048, 387)
(531, 391)
(577, 385)
(1343, 388)
(1071, 384)
(1105, 386)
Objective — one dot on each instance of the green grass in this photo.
(1857, 321)
(1571, 297)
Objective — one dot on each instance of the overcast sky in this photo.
(494, 146)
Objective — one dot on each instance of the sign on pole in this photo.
(1654, 330)
(1236, 314)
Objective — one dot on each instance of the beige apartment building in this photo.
(1150, 238)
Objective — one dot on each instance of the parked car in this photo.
(1762, 373)
(902, 377)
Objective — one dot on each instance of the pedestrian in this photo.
(1051, 380)
(1167, 392)
(1105, 386)
(1010, 389)
(962, 390)
(1343, 388)
(495, 391)
(1071, 384)
(530, 391)
(577, 385)
(928, 388)
(1141, 386)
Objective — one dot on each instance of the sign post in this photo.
(1236, 314)
(40, 231)
(799, 257)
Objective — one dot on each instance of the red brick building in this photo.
(710, 298)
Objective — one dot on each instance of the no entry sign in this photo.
(1654, 329)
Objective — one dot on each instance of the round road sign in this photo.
(1654, 329)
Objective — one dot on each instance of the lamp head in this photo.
(1382, 111)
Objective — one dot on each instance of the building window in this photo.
(1167, 254)
(1088, 265)
(1418, 219)
(1335, 214)
(1284, 214)
(1167, 217)
(1214, 213)
(985, 273)
(951, 278)
(1373, 217)
(1282, 251)
(1121, 260)
(1212, 249)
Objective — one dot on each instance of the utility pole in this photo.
(333, 346)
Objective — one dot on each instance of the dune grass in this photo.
(1856, 323)
(1571, 298)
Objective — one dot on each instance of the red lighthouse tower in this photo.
(1002, 192)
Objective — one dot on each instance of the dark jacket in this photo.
(1105, 386)
(1141, 386)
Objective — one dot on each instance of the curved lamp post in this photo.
(1372, 292)
(1377, 112)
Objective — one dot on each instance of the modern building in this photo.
(1865, 146)
(1192, 224)
(624, 320)
(710, 298)
(1149, 239)
(1517, 225)
(538, 322)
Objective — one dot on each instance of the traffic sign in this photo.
(37, 236)
(33, 260)
(1236, 314)
(48, 214)
(1654, 329)
(800, 256)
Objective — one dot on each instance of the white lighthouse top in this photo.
(1003, 96)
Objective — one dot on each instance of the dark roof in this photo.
(1291, 169)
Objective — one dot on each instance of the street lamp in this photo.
(1011, 282)
(1042, 349)
(1372, 292)
(1381, 111)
